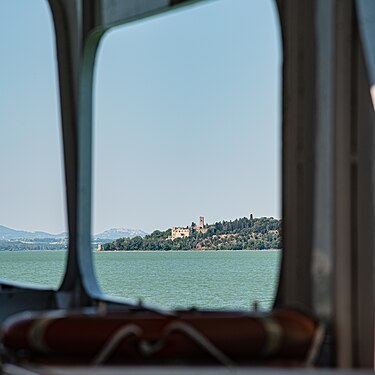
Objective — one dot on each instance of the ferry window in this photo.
(187, 157)
(32, 216)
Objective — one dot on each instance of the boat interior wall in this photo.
(328, 173)
(328, 166)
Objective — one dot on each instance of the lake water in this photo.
(204, 279)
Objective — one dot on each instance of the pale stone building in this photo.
(201, 222)
(178, 232)
(181, 232)
(201, 228)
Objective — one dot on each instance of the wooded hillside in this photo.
(240, 234)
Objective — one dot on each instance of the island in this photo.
(240, 234)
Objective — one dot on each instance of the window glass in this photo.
(32, 215)
(187, 157)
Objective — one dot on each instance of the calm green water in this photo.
(208, 279)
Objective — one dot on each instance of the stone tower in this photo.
(201, 221)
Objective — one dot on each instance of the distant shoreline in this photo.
(140, 251)
(182, 251)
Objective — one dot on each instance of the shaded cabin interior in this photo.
(327, 191)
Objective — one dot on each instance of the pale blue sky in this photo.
(187, 118)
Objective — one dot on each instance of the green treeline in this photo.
(240, 234)
(32, 245)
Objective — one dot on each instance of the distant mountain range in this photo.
(9, 234)
(13, 234)
(114, 233)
